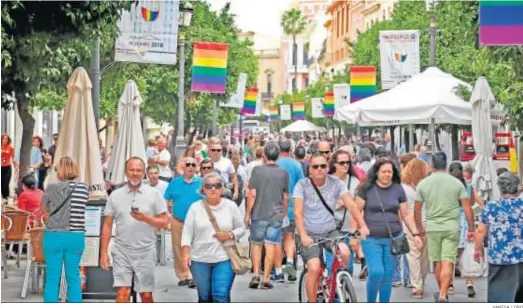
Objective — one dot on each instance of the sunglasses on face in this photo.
(321, 166)
(347, 162)
(213, 185)
(324, 152)
(191, 165)
(206, 168)
(216, 150)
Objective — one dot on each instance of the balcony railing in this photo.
(267, 53)
(267, 95)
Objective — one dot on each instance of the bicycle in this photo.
(338, 282)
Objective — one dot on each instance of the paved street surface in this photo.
(168, 291)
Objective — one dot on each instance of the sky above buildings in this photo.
(260, 16)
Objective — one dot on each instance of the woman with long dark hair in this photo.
(384, 204)
(456, 170)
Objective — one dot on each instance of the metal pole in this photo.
(432, 33)
(95, 79)
(180, 136)
(411, 137)
(214, 119)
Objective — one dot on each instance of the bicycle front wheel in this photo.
(349, 294)
(302, 291)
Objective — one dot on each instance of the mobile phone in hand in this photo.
(135, 209)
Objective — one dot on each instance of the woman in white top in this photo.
(203, 249)
(415, 171)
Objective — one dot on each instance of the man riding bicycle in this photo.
(314, 205)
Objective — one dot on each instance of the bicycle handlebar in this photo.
(335, 239)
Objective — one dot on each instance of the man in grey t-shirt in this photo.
(267, 205)
(137, 211)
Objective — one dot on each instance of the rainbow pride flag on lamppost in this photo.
(249, 103)
(328, 104)
(362, 82)
(500, 22)
(209, 67)
(273, 114)
(298, 111)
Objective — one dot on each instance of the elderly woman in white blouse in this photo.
(203, 248)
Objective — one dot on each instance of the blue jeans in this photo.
(396, 269)
(63, 249)
(213, 281)
(379, 263)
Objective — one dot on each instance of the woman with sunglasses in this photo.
(203, 249)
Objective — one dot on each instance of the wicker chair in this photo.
(36, 265)
(18, 232)
(7, 223)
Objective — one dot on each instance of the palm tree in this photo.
(293, 24)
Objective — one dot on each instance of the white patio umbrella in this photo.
(78, 136)
(485, 177)
(129, 139)
(303, 126)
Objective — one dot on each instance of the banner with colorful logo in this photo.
(209, 70)
(341, 95)
(249, 103)
(399, 56)
(298, 111)
(500, 23)
(362, 82)
(317, 111)
(148, 33)
(273, 113)
(328, 104)
(285, 112)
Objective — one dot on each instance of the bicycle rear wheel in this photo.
(349, 294)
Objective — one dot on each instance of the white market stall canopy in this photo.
(430, 94)
(302, 126)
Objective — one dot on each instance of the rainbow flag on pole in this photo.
(298, 111)
(249, 104)
(209, 70)
(328, 104)
(273, 113)
(500, 22)
(362, 82)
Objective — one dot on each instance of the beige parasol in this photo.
(78, 137)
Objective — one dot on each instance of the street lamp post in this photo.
(186, 11)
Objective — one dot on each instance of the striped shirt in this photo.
(71, 216)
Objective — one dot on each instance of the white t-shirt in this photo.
(165, 171)
(411, 199)
(241, 172)
(224, 167)
(339, 213)
(250, 166)
(161, 186)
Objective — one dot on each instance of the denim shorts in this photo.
(266, 231)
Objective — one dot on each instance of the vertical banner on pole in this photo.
(399, 56)
(273, 113)
(249, 103)
(500, 23)
(236, 100)
(298, 111)
(362, 82)
(285, 112)
(317, 108)
(148, 33)
(328, 104)
(258, 105)
(341, 95)
(209, 71)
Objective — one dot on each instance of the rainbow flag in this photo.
(362, 82)
(209, 67)
(249, 103)
(500, 23)
(328, 104)
(273, 113)
(149, 15)
(298, 111)
(513, 158)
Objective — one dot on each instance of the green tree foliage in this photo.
(457, 49)
(41, 44)
(293, 24)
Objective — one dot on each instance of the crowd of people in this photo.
(286, 194)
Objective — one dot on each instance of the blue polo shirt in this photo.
(295, 172)
(183, 194)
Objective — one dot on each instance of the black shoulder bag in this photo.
(398, 245)
(64, 202)
(321, 198)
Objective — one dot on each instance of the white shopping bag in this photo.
(286, 222)
(467, 266)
